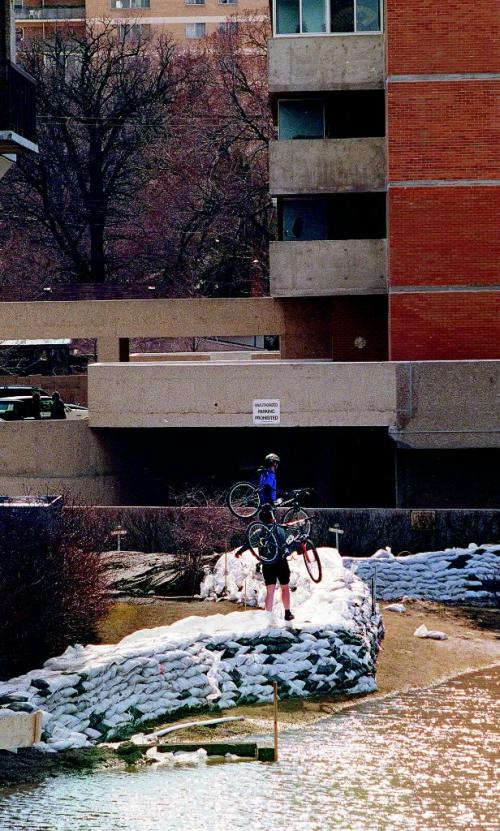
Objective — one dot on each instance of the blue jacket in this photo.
(267, 486)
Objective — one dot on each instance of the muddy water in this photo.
(422, 761)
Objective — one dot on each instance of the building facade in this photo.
(185, 20)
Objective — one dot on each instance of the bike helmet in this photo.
(271, 459)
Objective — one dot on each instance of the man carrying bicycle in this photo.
(279, 570)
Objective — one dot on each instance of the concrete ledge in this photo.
(328, 267)
(194, 317)
(312, 166)
(221, 394)
(322, 64)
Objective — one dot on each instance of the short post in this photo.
(225, 572)
(337, 531)
(119, 532)
(245, 593)
(275, 708)
(374, 589)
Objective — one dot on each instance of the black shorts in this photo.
(276, 571)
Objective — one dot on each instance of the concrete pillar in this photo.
(113, 350)
(7, 31)
(307, 328)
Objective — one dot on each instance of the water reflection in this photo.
(423, 760)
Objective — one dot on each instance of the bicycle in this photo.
(263, 544)
(244, 502)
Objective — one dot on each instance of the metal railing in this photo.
(17, 101)
(51, 13)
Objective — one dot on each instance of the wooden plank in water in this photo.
(247, 750)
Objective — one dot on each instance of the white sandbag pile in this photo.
(456, 575)
(239, 579)
(91, 693)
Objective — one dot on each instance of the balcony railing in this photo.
(51, 13)
(17, 109)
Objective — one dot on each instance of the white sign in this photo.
(266, 411)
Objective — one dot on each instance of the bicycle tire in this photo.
(312, 561)
(243, 500)
(262, 543)
(300, 516)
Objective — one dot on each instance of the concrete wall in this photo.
(328, 267)
(448, 404)
(310, 64)
(58, 457)
(221, 394)
(312, 166)
(6, 163)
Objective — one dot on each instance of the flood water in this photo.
(422, 761)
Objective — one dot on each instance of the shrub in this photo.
(52, 589)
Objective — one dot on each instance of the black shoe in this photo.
(288, 615)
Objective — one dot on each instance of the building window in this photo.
(132, 31)
(195, 2)
(229, 27)
(228, 2)
(195, 30)
(130, 4)
(310, 17)
(301, 119)
(333, 217)
(304, 219)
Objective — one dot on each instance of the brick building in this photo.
(185, 19)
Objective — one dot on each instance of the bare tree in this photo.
(152, 166)
(103, 98)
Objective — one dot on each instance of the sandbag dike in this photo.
(456, 575)
(93, 693)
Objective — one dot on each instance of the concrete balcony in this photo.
(326, 63)
(311, 393)
(318, 268)
(312, 166)
(28, 14)
(17, 109)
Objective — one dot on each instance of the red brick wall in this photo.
(445, 326)
(443, 130)
(445, 36)
(447, 235)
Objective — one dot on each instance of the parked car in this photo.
(19, 408)
(10, 390)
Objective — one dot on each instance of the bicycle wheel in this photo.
(301, 520)
(243, 500)
(312, 561)
(262, 542)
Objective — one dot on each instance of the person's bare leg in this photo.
(270, 598)
(285, 597)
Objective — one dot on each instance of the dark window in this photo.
(335, 217)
